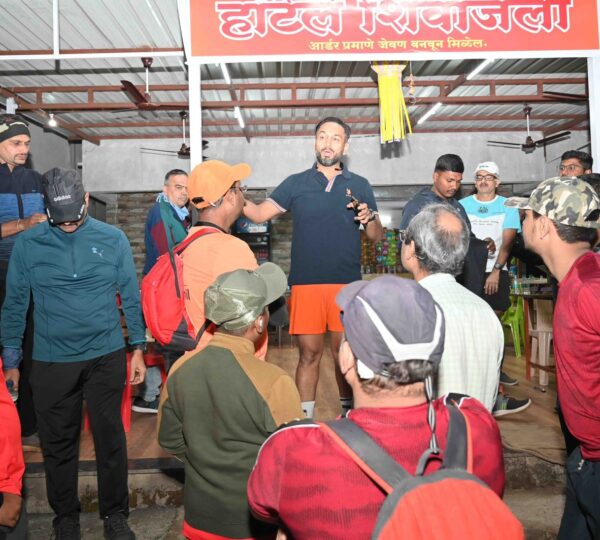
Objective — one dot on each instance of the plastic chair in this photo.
(125, 403)
(540, 333)
(514, 318)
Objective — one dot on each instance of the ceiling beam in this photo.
(310, 133)
(77, 133)
(77, 54)
(450, 84)
(287, 103)
(314, 121)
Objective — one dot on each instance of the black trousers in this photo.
(581, 518)
(58, 393)
(25, 403)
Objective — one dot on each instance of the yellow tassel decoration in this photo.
(393, 113)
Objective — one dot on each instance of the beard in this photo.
(328, 162)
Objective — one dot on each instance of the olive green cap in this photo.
(237, 298)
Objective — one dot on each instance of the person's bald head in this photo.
(441, 239)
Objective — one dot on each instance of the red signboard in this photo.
(378, 28)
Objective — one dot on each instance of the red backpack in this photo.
(449, 504)
(163, 300)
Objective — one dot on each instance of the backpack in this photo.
(448, 504)
(163, 300)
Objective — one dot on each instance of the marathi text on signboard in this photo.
(297, 27)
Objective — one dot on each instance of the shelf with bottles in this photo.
(381, 257)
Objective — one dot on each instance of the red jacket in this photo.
(12, 466)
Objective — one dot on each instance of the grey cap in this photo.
(64, 195)
(388, 320)
(564, 199)
(237, 298)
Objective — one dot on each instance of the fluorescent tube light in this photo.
(480, 68)
(225, 73)
(238, 114)
(430, 112)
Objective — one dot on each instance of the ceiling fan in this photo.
(530, 145)
(184, 149)
(143, 100)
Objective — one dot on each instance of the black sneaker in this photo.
(506, 405)
(143, 406)
(67, 529)
(507, 380)
(117, 528)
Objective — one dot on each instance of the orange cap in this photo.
(211, 179)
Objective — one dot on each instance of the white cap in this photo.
(489, 167)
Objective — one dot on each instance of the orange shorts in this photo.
(313, 309)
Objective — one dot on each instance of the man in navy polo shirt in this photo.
(328, 205)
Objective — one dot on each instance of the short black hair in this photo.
(593, 179)
(572, 234)
(174, 172)
(583, 157)
(449, 162)
(335, 120)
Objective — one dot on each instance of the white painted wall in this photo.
(48, 150)
(119, 166)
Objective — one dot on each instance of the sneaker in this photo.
(143, 406)
(507, 380)
(117, 528)
(506, 405)
(67, 529)
(31, 443)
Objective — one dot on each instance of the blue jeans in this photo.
(152, 382)
(151, 387)
(581, 518)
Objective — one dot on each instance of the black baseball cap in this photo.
(64, 195)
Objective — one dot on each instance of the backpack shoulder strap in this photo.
(459, 452)
(374, 461)
(180, 248)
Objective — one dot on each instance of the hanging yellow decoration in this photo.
(393, 113)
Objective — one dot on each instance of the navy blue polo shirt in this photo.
(325, 239)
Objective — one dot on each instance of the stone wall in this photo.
(128, 212)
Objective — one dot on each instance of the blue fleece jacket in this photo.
(74, 278)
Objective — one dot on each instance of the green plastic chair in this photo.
(514, 318)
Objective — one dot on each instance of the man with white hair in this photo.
(433, 251)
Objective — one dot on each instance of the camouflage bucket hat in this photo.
(567, 200)
(237, 298)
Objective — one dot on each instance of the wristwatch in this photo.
(374, 214)
(497, 266)
(140, 347)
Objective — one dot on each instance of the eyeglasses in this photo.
(570, 168)
(482, 177)
(403, 234)
(242, 189)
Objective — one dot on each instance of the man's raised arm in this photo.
(264, 211)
